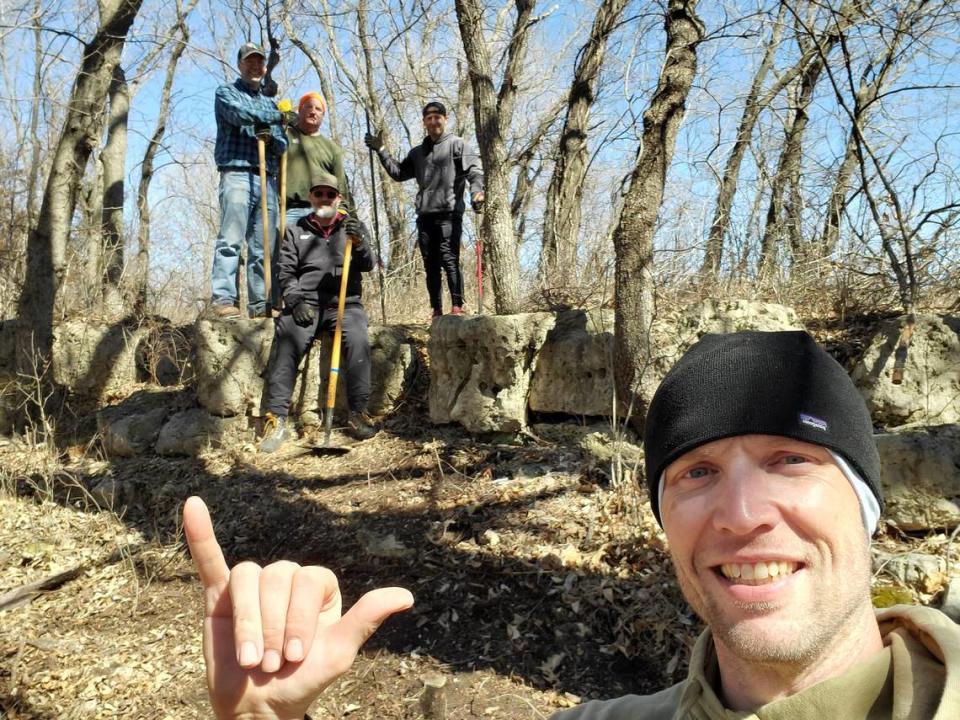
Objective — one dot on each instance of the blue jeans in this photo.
(240, 220)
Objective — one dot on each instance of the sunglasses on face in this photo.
(324, 194)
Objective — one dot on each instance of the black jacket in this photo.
(311, 265)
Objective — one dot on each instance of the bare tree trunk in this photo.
(113, 159)
(33, 173)
(46, 246)
(401, 251)
(866, 94)
(493, 113)
(561, 222)
(788, 175)
(821, 45)
(633, 237)
(141, 282)
(752, 107)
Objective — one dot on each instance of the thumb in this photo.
(369, 613)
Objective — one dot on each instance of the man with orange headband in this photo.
(310, 154)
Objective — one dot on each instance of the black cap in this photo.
(434, 106)
(763, 383)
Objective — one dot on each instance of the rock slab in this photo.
(481, 367)
(929, 393)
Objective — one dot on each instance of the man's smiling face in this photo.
(768, 544)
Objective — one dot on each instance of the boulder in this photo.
(481, 367)
(574, 370)
(191, 431)
(232, 358)
(131, 434)
(929, 393)
(94, 361)
(920, 473)
(925, 573)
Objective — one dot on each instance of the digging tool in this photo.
(335, 355)
(479, 246)
(265, 214)
(283, 195)
(376, 225)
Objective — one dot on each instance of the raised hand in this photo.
(274, 637)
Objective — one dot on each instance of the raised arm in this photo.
(253, 671)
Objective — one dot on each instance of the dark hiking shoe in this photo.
(275, 433)
(360, 426)
(434, 314)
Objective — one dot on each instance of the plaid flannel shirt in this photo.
(239, 110)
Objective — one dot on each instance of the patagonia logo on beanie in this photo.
(758, 383)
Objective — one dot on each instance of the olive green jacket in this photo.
(310, 155)
(915, 677)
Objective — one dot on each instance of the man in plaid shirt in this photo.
(243, 114)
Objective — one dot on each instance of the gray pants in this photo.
(291, 342)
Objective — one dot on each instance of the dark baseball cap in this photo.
(434, 106)
(324, 180)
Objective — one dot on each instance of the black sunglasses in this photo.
(325, 194)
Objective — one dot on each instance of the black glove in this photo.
(263, 133)
(291, 118)
(477, 202)
(303, 313)
(353, 228)
(374, 142)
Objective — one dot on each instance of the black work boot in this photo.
(360, 426)
(275, 433)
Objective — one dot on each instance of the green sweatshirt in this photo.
(309, 155)
(915, 677)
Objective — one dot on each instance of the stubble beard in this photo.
(800, 642)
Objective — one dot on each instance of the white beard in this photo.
(325, 212)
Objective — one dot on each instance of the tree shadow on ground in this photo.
(566, 627)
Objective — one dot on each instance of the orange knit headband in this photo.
(313, 95)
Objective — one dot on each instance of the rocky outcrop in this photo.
(94, 361)
(929, 393)
(481, 367)
(232, 357)
(192, 431)
(921, 477)
(574, 371)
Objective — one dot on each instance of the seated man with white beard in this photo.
(763, 472)
(309, 272)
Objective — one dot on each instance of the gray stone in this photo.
(925, 573)
(481, 366)
(191, 431)
(574, 371)
(950, 604)
(930, 391)
(131, 434)
(94, 361)
(920, 474)
(232, 357)
(108, 493)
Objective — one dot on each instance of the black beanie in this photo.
(758, 383)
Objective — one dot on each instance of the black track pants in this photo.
(291, 341)
(439, 240)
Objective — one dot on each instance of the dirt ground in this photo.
(539, 580)
(538, 583)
